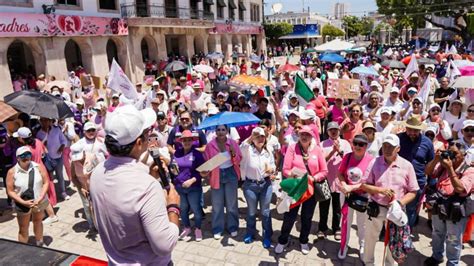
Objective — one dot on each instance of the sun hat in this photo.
(368, 124)
(22, 132)
(414, 122)
(22, 150)
(137, 122)
(258, 131)
(187, 134)
(392, 139)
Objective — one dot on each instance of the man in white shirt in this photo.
(394, 101)
(199, 102)
(314, 82)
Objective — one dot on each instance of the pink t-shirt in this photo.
(337, 114)
(354, 129)
(335, 161)
(316, 162)
(355, 171)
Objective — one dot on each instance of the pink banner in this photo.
(33, 25)
(221, 28)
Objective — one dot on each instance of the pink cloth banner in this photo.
(229, 27)
(35, 25)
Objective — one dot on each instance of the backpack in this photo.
(400, 242)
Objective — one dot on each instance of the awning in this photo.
(242, 6)
(221, 3)
(209, 2)
(232, 4)
(299, 36)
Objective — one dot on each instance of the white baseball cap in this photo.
(467, 123)
(126, 123)
(116, 95)
(413, 89)
(80, 101)
(258, 131)
(77, 152)
(396, 215)
(155, 83)
(22, 132)
(22, 150)
(392, 139)
(395, 89)
(89, 125)
(307, 114)
(385, 110)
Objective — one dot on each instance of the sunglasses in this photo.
(184, 119)
(470, 111)
(90, 130)
(469, 130)
(25, 156)
(359, 144)
(454, 143)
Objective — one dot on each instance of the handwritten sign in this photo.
(343, 88)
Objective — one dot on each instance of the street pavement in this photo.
(70, 234)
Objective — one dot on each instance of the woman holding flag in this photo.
(306, 159)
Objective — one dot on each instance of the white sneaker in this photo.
(185, 233)
(50, 220)
(342, 253)
(55, 181)
(217, 236)
(279, 248)
(234, 234)
(66, 196)
(39, 243)
(305, 249)
(361, 252)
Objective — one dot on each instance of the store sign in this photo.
(33, 25)
(229, 28)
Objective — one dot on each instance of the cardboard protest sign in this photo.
(97, 82)
(86, 80)
(343, 88)
(213, 163)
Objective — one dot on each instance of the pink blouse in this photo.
(212, 150)
(316, 162)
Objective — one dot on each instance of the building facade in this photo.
(52, 37)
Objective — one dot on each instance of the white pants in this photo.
(374, 225)
(361, 217)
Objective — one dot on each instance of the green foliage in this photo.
(358, 26)
(330, 30)
(276, 30)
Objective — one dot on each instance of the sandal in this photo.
(337, 235)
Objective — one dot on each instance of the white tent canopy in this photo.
(335, 46)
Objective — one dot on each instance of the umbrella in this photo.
(175, 66)
(245, 81)
(467, 71)
(203, 68)
(222, 86)
(427, 61)
(363, 70)
(288, 68)
(231, 119)
(40, 104)
(407, 59)
(393, 64)
(6, 111)
(463, 63)
(255, 59)
(58, 83)
(309, 50)
(334, 45)
(214, 56)
(464, 82)
(333, 58)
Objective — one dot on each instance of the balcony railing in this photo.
(144, 10)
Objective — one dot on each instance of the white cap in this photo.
(80, 101)
(136, 123)
(258, 131)
(212, 110)
(392, 139)
(22, 132)
(395, 89)
(307, 114)
(295, 112)
(467, 123)
(434, 105)
(374, 83)
(292, 95)
(414, 75)
(396, 215)
(77, 152)
(22, 150)
(412, 89)
(99, 105)
(155, 83)
(433, 129)
(89, 125)
(386, 110)
(56, 93)
(116, 95)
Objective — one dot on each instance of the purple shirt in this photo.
(399, 176)
(130, 209)
(53, 139)
(187, 164)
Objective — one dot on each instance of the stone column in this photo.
(6, 86)
(160, 40)
(53, 49)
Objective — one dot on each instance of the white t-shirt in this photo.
(452, 119)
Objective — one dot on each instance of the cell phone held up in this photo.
(165, 178)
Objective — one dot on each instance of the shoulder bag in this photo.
(322, 191)
(28, 194)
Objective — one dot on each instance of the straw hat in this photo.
(414, 122)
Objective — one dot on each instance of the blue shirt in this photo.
(419, 153)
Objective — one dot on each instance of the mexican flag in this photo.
(189, 71)
(303, 91)
(295, 191)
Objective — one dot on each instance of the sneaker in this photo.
(432, 262)
(361, 252)
(337, 235)
(185, 233)
(321, 235)
(267, 242)
(234, 234)
(65, 196)
(279, 248)
(198, 234)
(342, 253)
(305, 249)
(39, 243)
(217, 236)
(248, 239)
(55, 181)
(51, 220)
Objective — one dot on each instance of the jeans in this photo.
(289, 218)
(225, 196)
(258, 194)
(451, 234)
(58, 169)
(412, 211)
(87, 210)
(190, 198)
(336, 213)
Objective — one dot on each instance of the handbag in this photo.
(373, 209)
(357, 202)
(322, 192)
(27, 195)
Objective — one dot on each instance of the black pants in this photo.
(289, 218)
(336, 213)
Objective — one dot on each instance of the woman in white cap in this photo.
(434, 119)
(459, 124)
(374, 138)
(27, 184)
(454, 112)
(413, 106)
(385, 125)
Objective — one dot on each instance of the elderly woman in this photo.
(303, 156)
(434, 119)
(258, 169)
(223, 181)
(30, 200)
(352, 125)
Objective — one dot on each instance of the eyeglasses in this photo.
(359, 144)
(25, 156)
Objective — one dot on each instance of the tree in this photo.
(418, 11)
(274, 31)
(330, 30)
(352, 25)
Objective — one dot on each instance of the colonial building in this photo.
(52, 37)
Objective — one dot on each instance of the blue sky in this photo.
(357, 7)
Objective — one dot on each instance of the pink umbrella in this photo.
(467, 71)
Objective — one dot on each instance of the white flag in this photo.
(119, 82)
(425, 90)
(389, 52)
(451, 98)
(452, 72)
(446, 50)
(412, 67)
(453, 50)
(433, 48)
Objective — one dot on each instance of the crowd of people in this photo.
(384, 156)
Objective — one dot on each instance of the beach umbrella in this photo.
(175, 66)
(40, 104)
(363, 70)
(288, 68)
(333, 58)
(393, 64)
(467, 71)
(203, 68)
(464, 82)
(230, 119)
(6, 111)
(214, 56)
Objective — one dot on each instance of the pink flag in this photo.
(412, 67)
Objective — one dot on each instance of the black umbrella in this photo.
(393, 64)
(40, 104)
(222, 86)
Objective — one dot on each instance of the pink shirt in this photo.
(337, 114)
(316, 162)
(399, 176)
(355, 171)
(335, 160)
(212, 150)
(354, 129)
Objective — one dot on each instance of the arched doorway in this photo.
(198, 44)
(148, 48)
(20, 59)
(211, 43)
(112, 52)
(145, 50)
(73, 55)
